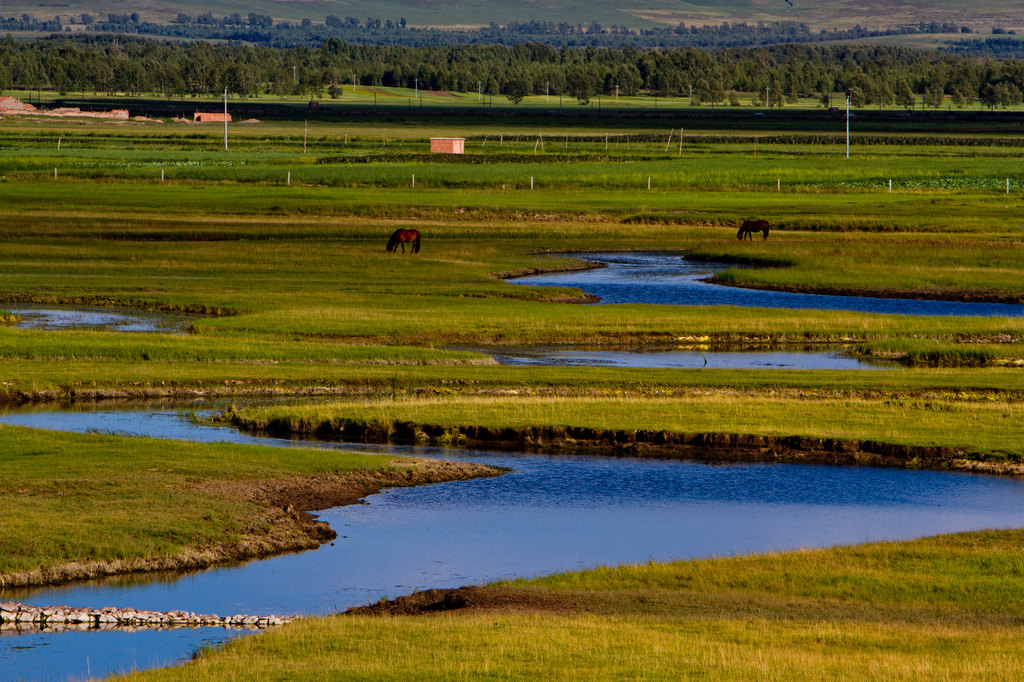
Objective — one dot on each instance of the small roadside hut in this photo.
(210, 117)
(447, 145)
(14, 104)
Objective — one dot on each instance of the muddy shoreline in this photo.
(286, 505)
(706, 446)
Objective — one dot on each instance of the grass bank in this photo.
(80, 506)
(940, 429)
(936, 608)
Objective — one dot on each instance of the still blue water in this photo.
(660, 358)
(551, 513)
(78, 317)
(671, 279)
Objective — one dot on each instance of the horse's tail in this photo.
(392, 243)
(416, 244)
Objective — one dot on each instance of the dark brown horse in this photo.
(748, 228)
(403, 236)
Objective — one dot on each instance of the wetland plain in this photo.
(289, 296)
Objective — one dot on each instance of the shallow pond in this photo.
(662, 358)
(68, 317)
(551, 513)
(671, 279)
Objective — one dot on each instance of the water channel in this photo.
(551, 513)
(683, 358)
(83, 317)
(672, 280)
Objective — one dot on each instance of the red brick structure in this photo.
(448, 145)
(14, 104)
(210, 117)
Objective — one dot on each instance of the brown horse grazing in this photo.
(748, 228)
(403, 236)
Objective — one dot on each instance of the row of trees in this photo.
(881, 76)
(260, 29)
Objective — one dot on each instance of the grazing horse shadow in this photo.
(748, 228)
(401, 237)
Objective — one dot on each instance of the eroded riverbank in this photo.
(283, 523)
(704, 446)
(550, 513)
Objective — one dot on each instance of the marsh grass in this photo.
(95, 497)
(933, 352)
(977, 424)
(934, 608)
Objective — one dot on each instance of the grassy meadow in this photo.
(287, 291)
(937, 608)
(80, 498)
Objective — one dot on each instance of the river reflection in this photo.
(551, 513)
(672, 280)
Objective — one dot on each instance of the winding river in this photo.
(551, 513)
(669, 279)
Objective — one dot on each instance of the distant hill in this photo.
(981, 15)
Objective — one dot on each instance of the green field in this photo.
(289, 292)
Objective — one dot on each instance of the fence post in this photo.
(289, 178)
(414, 181)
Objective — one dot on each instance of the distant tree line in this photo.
(879, 76)
(260, 29)
(1001, 47)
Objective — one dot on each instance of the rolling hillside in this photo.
(981, 16)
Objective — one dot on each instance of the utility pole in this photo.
(616, 95)
(225, 119)
(767, 101)
(417, 88)
(847, 125)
